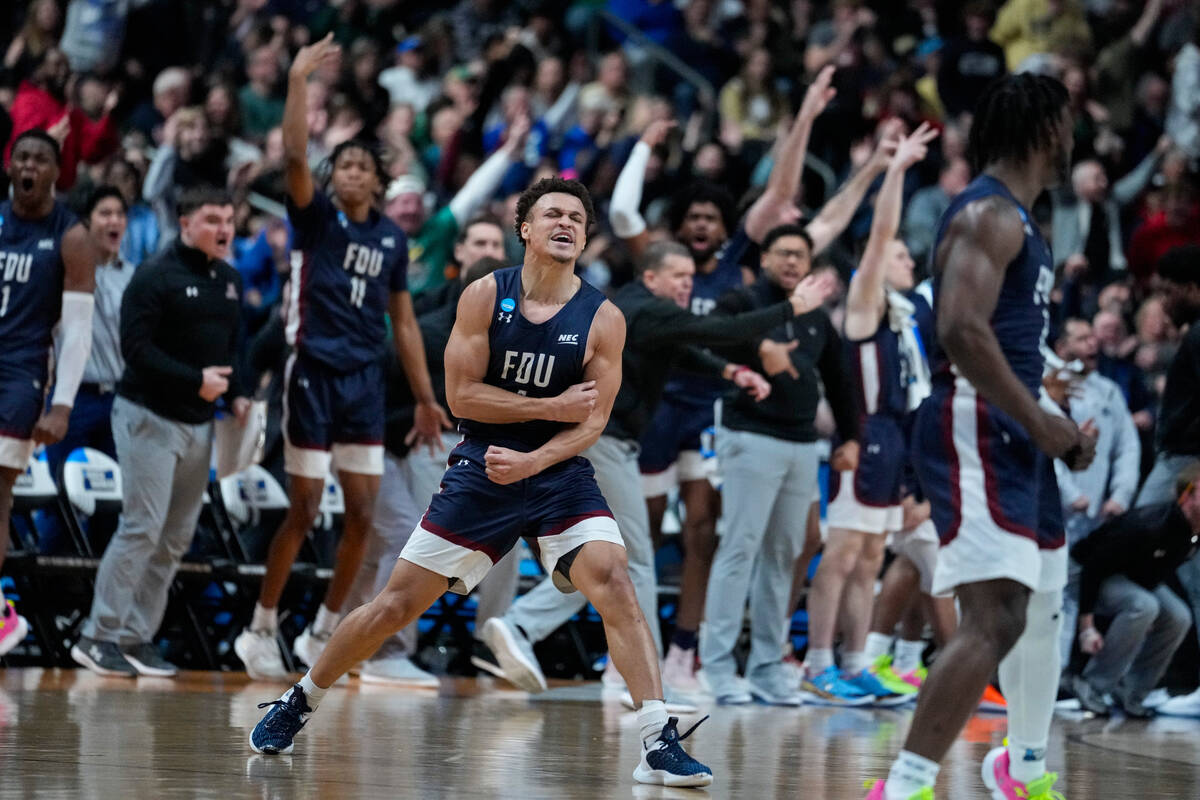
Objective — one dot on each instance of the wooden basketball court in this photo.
(70, 734)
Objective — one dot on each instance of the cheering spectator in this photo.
(41, 102)
(43, 21)
(409, 80)
(1176, 225)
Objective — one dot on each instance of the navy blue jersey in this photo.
(878, 372)
(535, 360)
(343, 273)
(31, 285)
(1021, 320)
(706, 288)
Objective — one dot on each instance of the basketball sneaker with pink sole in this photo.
(13, 627)
(1004, 786)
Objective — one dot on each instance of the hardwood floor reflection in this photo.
(67, 734)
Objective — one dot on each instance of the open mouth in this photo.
(27, 184)
(563, 238)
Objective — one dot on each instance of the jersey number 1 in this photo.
(358, 291)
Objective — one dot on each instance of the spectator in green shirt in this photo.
(431, 238)
(262, 108)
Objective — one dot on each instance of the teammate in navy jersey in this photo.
(533, 366)
(47, 274)
(984, 448)
(348, 276)
(864, 504)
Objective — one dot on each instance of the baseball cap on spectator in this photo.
(409, 43)
(930, 45)
(405, 184)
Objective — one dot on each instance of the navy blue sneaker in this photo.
(274, 732)
(666, 764)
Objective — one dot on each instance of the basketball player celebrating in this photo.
(865, 503)
(349, 274)
(532, 369)
(985, 449)
(47, 274)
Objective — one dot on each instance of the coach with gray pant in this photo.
(179, 323)
(660, 335)
(768, 455)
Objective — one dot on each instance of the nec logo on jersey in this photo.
(568, 338)
(388, 241)
(192, 291)
(46, 244)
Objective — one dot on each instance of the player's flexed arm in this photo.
(466, 363)
(980, 243)
(606, 341)
(75, 334)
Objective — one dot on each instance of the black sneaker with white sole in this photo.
(102, 658)
(148, 661)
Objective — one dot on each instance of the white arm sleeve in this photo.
(75, 345)
(480, 186)
(627, 194)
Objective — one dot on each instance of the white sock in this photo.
(910, 774)
(818, 660)
(877, 645)
(265, 620)
(1026, 760)
(651, 717)
(1029, 680)
(312, 693)
(326, 621)
(908, 656)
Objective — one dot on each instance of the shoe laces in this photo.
(670, 735)
(290, 716)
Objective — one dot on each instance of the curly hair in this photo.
(1015, 115)
(549, 186)
(702, 191)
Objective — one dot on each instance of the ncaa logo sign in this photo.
(507, 306)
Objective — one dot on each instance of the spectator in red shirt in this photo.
(1176, 225)
(41, 102)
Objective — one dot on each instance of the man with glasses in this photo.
(768, 452)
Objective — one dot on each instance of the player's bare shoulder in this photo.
(477, 301)
(991, 225)
(608, 330)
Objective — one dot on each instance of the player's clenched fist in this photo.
(576, 403)
(506, 466)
